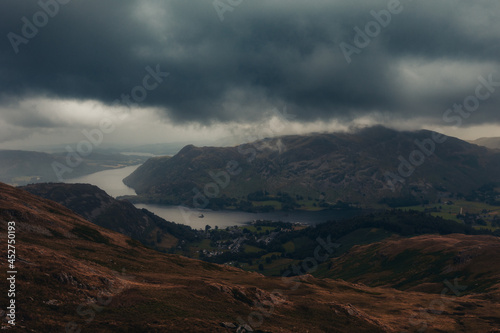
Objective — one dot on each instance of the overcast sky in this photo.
(238, 68)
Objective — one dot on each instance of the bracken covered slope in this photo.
(424, 262)
(75, 275)
(98, 207)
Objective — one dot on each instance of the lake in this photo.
(111, 181)
(227, 218)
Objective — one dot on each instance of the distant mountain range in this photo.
(367, 167)
(18, 167)
(21, 167)
(492, 143)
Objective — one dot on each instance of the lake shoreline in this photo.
(111, 181)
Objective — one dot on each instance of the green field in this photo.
(252, 249)
(256, 230)
(289, 247)
(273, 203)
(450, 211)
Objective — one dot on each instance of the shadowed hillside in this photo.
(98, 207)
(318, 170)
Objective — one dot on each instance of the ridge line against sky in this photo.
(67, 64)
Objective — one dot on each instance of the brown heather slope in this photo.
(424, 263)
(98, 207)
(70, 270)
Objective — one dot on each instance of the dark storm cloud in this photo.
(264, 54)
